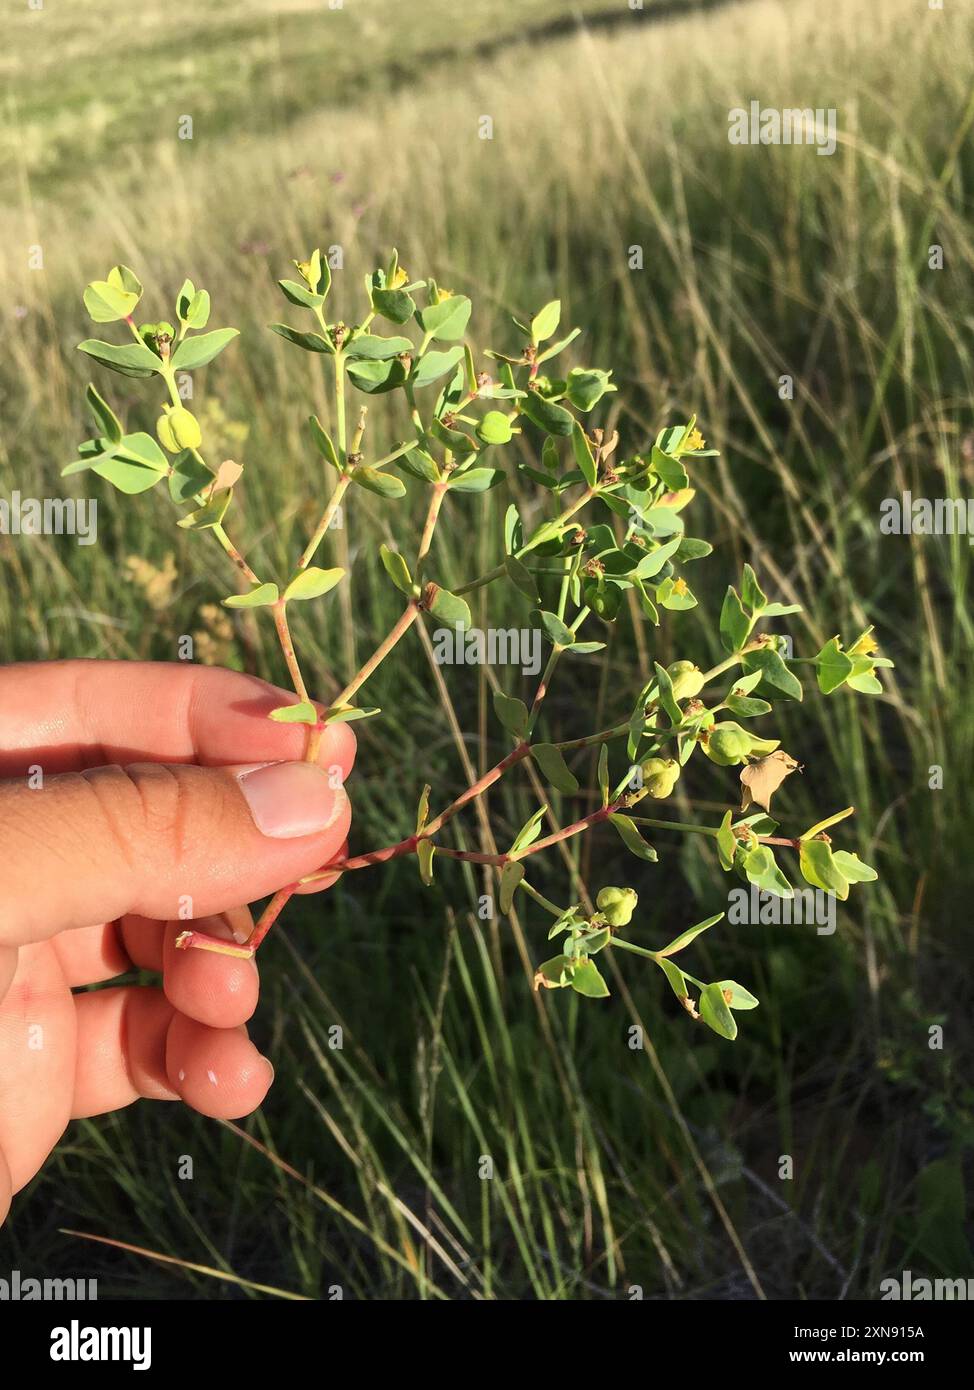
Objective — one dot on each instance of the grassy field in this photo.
(359, 128)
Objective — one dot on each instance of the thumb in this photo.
(161, 841)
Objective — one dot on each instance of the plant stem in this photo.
(546, 903)
(426, 540)
(674, 825)
(340, 408)
(287, 647)
(636, 950)
(405, 622)
(499, 571)
(327, 517)
(231, 550)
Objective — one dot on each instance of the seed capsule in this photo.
(179, 429)
(660, 776)
(617, 905)
(728, 744)
(687, 679)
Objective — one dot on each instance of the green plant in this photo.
(635, 550)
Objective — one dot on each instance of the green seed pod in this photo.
(617, 905)
(728, 744)
(660, 776)
(179, 429)
(687, 679)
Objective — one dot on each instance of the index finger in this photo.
(66, 716)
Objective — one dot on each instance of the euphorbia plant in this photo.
(465, 409)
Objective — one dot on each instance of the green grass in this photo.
(612, 1165)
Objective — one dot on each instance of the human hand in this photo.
(129, 801)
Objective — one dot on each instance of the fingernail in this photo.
(288, 800)
(270, 1068)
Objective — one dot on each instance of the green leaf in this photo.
(752, 596)
(369, 347)
(774, 673)
(821, 825)
(261, 597)
(735, 625)
(423, 809)
(432, 365)
(511, 876)
(762, 870)
(670, 469)
(425, 851)
(374, 480)
(135, 465)
(587, 980)
(741, 998)
(727, 843)
(529, 831)
(476, 479)
(512, 713)
(632, 839)
(105, 417)
(819, 868)
(746, 708)
(302, 713)
(323, 442)
(107, 302)
(603, 774)
(851, 867)
(188, 477)
(130, 478)
(556, 973)
(522, 578)
(716, 1014)
(419, 464)
(555, 630)
(312, 583)
(494, 428)
(679, 942)
(450, 609)
(553, 767)
(311, 342)
(546, 321)
(348, 713)
(547, 415)
(395, 305)
(585, 388)
(666, 697)
(397, 569)
(583, 454)
(693, 549)
(210, 514)
(301, 294)
(121, 278)
(192, 306)
(833, 666)
(197, 351)
(446, 321)
(128, 359)
(651, 564)
(675, 976)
